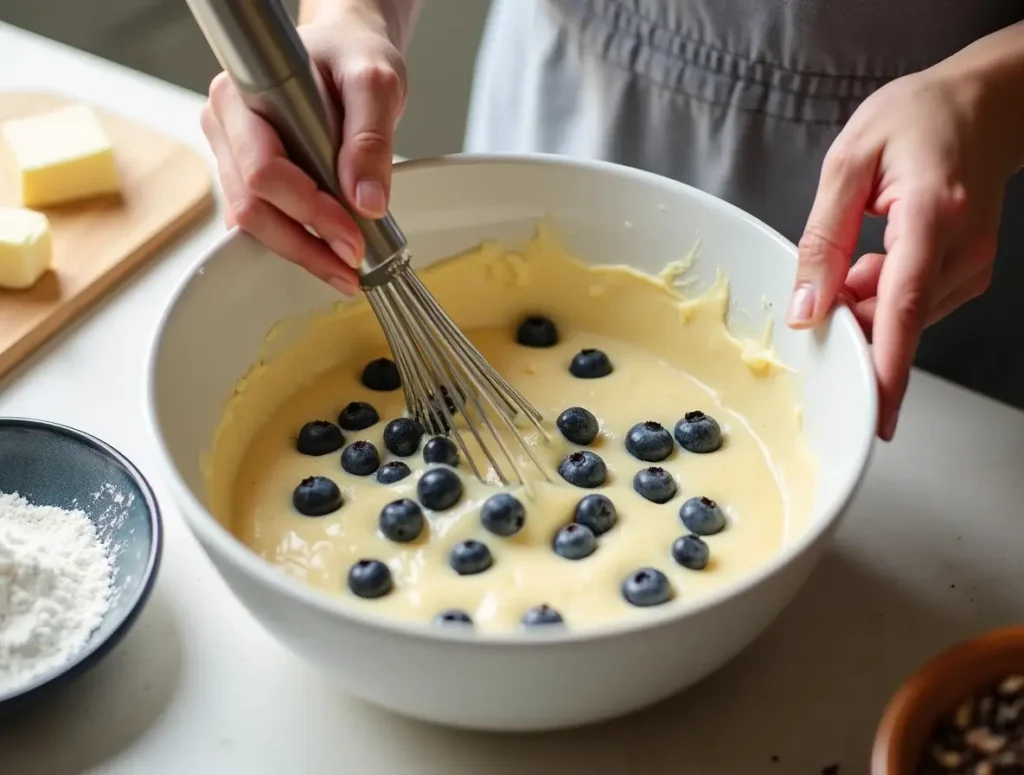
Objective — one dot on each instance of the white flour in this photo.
(54, 587)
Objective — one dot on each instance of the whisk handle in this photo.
(258, 46)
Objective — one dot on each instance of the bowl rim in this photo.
(890, 744)
(211, 532)
(83, 660)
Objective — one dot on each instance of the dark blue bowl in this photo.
(53, 465)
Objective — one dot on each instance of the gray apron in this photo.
(742, 98)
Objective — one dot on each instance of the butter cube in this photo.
(60, 156)
(26, 249)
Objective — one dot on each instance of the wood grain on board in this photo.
(97, 243)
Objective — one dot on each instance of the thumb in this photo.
(373, 92)
(831, 234)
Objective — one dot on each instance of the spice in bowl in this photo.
(983, 735)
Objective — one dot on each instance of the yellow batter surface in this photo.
(671, 355)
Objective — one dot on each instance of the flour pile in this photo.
(54, 587)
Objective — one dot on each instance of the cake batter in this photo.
(670, 356)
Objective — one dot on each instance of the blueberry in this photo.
(450, 403)
(441, 450)
(503, 514)
(537, 331)
(590, 364)
(470, 557)
(647, 587)
(369, 579)
(392, 472)
(649, 441)
(402, 436)
(584, 469)
(439, 489)
(577, 425)
(655, 483)
(358, 416)
(319, 438)
(316, 496)
(436, 416)
(401, 521)
(541, 615)
(697, 432)
(360, 458)
(574, 542)
(702, 516)
(453, 616)
(691, 552)
(596, 512)
(381, 375)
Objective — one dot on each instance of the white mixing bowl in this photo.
(212, 332)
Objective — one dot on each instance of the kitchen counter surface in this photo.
(930, 552)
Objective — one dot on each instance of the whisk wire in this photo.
(444, 364)
(495, 387)
(439, 321)
(443, 374)
(451, 387)
(512, 398)
(411, 363)
(428, 367)
(391, 332)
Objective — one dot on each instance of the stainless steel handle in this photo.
(258, 46)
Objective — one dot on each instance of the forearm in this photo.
(394, 18)
(990, 73)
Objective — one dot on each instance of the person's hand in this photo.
(272, 199)
(925, 153)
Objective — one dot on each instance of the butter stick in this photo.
(25, 247)
(60, 156)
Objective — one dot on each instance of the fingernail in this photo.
(343, 286)
(801, 306)
(370, 198)
(345, 251)
(889, 426)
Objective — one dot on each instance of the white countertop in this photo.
(930, 553)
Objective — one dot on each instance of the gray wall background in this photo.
(159, 37)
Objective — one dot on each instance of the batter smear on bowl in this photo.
(677, 465)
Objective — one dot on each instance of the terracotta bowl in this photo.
(935, 690)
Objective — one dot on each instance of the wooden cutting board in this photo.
(97, 243)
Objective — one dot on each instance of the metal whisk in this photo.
(443, 374)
